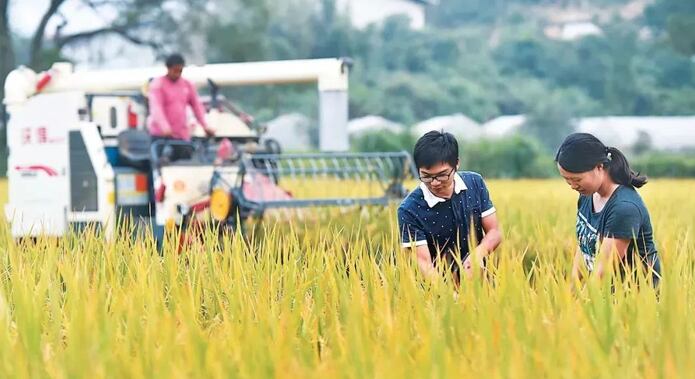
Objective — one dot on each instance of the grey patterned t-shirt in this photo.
(625, 217)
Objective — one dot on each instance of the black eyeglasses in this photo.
(440, 177)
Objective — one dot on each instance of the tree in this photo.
(677, 19)
(550, 118)
(681, 30)
(6, 50)
(643, 144)
(142, 22)
(241, 37)
(510, 157)
(6, 65)
(455, 13)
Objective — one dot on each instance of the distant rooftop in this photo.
(664, 132)
(366, 12)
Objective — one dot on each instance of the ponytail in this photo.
(581, 152)
(620, 171)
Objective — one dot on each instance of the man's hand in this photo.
(209, 132)
(424, 261)
(473, 264)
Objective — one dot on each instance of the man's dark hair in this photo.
(436, 147)
(174, 60)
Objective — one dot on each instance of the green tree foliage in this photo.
(677, 18)
(154, 23)
(550, 119)
(514, 157)
(480, 58)
(455, 65)
(666, 165)
(383, 141)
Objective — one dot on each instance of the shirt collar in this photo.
(433, 200)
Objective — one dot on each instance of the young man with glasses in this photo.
(448, 212)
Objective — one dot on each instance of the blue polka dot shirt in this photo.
(443, 224)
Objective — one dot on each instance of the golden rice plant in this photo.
(333, 295)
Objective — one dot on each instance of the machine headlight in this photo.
(220, 204)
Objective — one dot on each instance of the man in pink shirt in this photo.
(168, 98)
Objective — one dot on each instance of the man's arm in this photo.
(491, 227)
(413, 238)
(198, 110)
(492, 239)
(493, 235)
(424, 260)
(155, 99)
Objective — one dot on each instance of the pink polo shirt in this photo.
(167, 101)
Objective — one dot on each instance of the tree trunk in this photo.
(6, 48)
(40, 34)
(6, 65)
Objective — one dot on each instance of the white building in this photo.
(664, 133)
(503, 126)
(365, 12)
(367, 124)
(292, 131)
(457, 124)
(572, 31)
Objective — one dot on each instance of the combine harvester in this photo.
(80, 155)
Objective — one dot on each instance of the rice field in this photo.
(333, 295)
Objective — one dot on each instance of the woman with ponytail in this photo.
(613, 224)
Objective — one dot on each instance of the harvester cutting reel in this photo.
(227, 183)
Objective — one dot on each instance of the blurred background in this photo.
(510, 78)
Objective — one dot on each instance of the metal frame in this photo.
(388, 169)
(384, 164)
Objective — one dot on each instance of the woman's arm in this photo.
(577, 262)
(622, 226)
(612, 251)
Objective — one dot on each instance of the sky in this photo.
(108, 52)
(25, 15)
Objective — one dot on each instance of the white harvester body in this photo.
(63, 131)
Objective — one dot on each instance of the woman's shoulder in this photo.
(627, 203)
(583, 201)
(627, 195)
